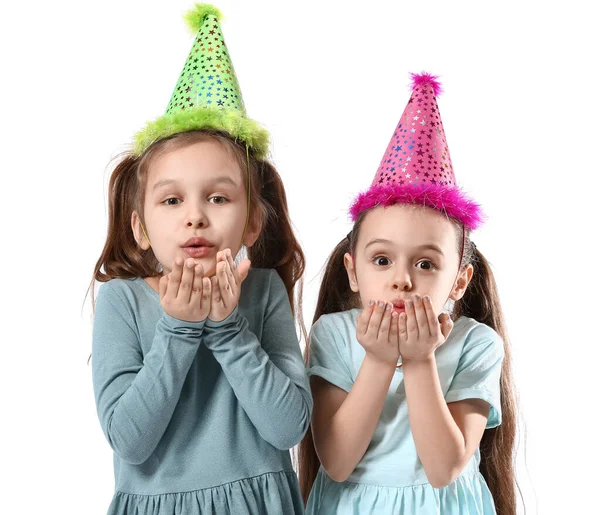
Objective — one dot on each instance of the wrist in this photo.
(379, 365)
(229, 319)
(425, 362)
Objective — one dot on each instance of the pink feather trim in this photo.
(426, 79)
(450, 200)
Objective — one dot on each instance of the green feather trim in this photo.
(194, 18)
(228, 120)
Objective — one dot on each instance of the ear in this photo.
(138, 233)
(462, 282)
(253, 230)
(351, 271)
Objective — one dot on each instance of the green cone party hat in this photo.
(207, 94)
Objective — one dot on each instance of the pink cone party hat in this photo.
(416, 167)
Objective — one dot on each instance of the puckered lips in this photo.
(399, 305)
(197, 247)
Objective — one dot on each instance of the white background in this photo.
(329, 80)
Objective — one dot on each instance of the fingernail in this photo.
(371, 303)
(426, 298)
(388, 307)
(380, 304)
(417, 298)
(409, 304)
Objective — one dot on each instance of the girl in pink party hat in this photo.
(414, 409)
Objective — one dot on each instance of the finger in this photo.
(394, 326)
(432, 320)
(363, 319)
(384, 328)
(421, 316)
(231, 286)
(187, 280)
(206, 292)
(446, 325)
(175, 278)
(402, 328)
(162, 286)
(223, 282)
(412, 328)
(216, 292)
(375, 320)
(196, 295)
(234, 270)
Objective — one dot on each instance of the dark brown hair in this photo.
(479, 302)
(276, 246)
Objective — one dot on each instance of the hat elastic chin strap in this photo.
(145, 233)
(248, 202)
(462, 253)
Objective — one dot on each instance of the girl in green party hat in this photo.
(198, 376)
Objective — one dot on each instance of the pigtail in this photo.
(121, 256)
(481, 302)
(277, 246)
(335, 295)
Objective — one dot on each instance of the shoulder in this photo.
(120, 289)
(123, 295)
(340, 326)
(263, 279)
(264, 294)
(476, 336)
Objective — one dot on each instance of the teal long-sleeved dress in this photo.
(200, 416)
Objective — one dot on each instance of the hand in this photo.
(227, 285)
(377, 332)
(184, 292)
(420, 330)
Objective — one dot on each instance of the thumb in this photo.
(243, 269)
(446, 324)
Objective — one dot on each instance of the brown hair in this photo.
(480, 302)
(276, 246)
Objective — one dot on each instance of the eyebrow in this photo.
(223, 179)
(377, 240)
(427, 246)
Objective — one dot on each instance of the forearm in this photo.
(350, 430)
(136, 402)
(438, 440)
(278, 404)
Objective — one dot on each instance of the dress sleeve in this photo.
(136, 395)
(328, 354)
(478, 373)
(267, 376)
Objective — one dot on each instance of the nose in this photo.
(196, 217)
(402, 280)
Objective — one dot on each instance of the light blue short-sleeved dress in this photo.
(201, 416)
(390, 479)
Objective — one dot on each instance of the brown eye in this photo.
(428, 265)
(218, 200)
(382, 261)
(171, 201)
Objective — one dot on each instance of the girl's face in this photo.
(195, 205)
(403, 250)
